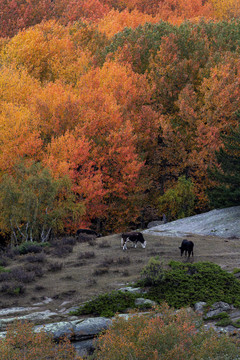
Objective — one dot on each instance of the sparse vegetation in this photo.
(12, 288)
(101, 271)
(104, 244)
(36, 258)
(55, 266)
(86, 255)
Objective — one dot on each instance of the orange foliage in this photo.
(89, 10)
(116, 21)
(176, 11)
(56, 110)
(221, 93)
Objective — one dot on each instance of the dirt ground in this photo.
(83, 277)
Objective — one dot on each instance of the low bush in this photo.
(12, 288)
(54, 267)
(86, 255)
(164, 334)
(153, 273)
(62, 250)
(107, 262)
(123, 260)
(22, 342)
(3, 262)
(108, 304)
(69, 241)
(185, 284)
(104, 244)
(31, 247)
(36, 258)
(22, 276)
(101, 271)
(5, 276)
(3, 270)
(35, 268)
(92, 242)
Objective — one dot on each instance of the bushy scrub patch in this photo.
(86, 255)
(31, 247)
(22, 342)
(62, 250)
(22, 276)
(123, 260)
(55, 266)
(2, 269)
(35, 258)
(3, 262)
(108, 304)
(102, 270)
(164, 334)
(104, 244)
(184, 284)
(12, 289)
(35, 268)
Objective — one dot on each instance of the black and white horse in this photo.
(133, 237)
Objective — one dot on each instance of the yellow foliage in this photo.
(226, 9)
(18, 137)
(47, 52)
(17, 86)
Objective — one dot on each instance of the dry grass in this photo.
(78, 280)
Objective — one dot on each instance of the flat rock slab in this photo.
(16, 310)
(220, 222)
(77, 330)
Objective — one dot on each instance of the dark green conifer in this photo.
(227, 175)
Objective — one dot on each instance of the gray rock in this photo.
(36, 316)
(78, 329)
(155, 223)
(90, 327)
(131, 290)
(84, 348)
(15, 310)
(199, 307)
(142, 301)
(210, 223)
(217, 308)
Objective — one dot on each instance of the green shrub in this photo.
(108, 304)
(2, 269)
(220, 316)
(236, 323)
(224, 322)
(164, 334)
(31, 247)
(153, 273)
(185, 284)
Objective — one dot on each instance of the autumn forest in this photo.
(110, 104)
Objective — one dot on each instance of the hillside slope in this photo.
(224, 223)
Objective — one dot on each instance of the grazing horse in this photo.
(187, 247)
(133, 237)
